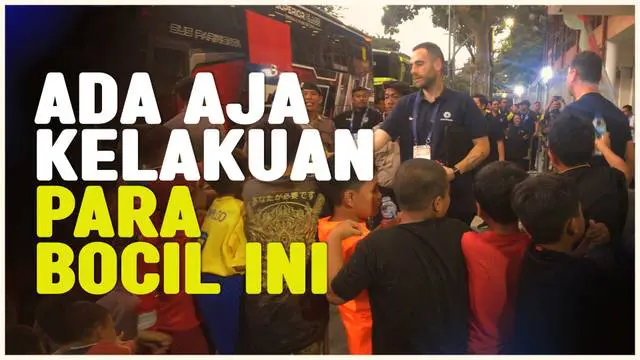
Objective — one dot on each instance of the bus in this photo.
(231, 41)
(390, 66)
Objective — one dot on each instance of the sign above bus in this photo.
(299, 16)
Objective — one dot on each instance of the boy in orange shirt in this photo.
(351, 200)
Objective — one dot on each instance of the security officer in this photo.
(440, 124)
(362, 116)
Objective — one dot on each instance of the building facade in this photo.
(607, 30)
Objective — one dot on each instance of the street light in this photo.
(509, 22)
(546, 74)
(518, 90)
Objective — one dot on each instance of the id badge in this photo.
(422, 152)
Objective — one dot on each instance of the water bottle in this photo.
(600, 127)
(388, 209)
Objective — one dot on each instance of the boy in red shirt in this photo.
(493, 258)
(357, 201)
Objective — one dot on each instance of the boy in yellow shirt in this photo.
(223, 260)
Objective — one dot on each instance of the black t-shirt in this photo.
(516, 143)
(617, 123)
(353, 119)
(456, 121)
(567, 305)
(495, 129)
(604, 197)
(417, 282)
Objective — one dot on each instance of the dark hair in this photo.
(294, 133)
(544, 203)
(183, 88)
(418, 182)
(23, 340)
(308, 86)
(51, 318)
(359, 88)
(629, 108)
(493, 186)
(334, 189)
(434, 50)
(224, 185)
(83, 317)
(571, 140)
(524, 102)
(588, 65)
(483, 99)
(400, 86)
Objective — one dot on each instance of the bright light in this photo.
(504, 95)
(509, 22)
(546, 74)
(518, 90)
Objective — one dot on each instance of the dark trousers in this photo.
(221, 312)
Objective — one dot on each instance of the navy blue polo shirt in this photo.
(453, 120)
(617, 123)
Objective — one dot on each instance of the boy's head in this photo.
(50, 318)
(224, 185)
(88, 321)
(571, 142)
(421, 186)
(549, 208)
(359, 198)
(492, 188)
(23, 340)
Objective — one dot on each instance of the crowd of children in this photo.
(549, 276)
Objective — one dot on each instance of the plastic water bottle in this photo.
(388, 209)
(600, 127)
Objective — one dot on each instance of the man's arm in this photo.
(630, 157)
(501, 150)
(391, 126)
(476, 125)
(345, 282)
(380, 139)
(478, 153)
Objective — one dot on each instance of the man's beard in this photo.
(428, 82)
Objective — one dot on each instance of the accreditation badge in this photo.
(422, 152)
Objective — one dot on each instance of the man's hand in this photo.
(603, 142)
(345, 230)
(450, 174)
(153, 342)
(597, 233)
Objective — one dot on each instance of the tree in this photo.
(472, 26)
(385, 43)
(333, 10)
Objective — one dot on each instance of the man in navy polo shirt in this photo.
(585, 73)
(440, 124)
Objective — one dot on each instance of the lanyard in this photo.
(414, 117)
(365, 119)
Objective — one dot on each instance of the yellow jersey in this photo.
(222, 238)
